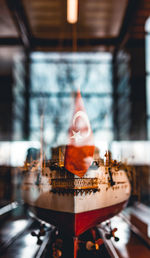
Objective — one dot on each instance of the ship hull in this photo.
(75, 224)
(75, 210)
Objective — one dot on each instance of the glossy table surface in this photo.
(16, 240)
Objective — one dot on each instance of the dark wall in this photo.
(13, 94)
(138, 93)
(130, 94)
(5, 107)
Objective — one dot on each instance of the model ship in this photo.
(76, 190)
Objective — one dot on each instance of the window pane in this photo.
(148, 53)
(148, 94)
(54, 78)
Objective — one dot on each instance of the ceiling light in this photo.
(72, 11)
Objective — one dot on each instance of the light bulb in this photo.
(72, 11)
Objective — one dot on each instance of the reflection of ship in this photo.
(72, 203)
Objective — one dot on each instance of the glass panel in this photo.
(54, 78)
(148, 94)
(147, 25)
(148, 129)
(92, 72)
(147, 40)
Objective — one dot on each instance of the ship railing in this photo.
(75, 183)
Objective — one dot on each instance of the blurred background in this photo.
(44, 59)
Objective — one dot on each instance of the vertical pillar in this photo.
(115, 99)
(27, 88)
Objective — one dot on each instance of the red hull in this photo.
(76, 224)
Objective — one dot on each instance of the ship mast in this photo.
(41, 140)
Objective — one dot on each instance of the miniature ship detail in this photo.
(75, 204)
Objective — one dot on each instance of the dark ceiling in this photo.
(42, 24)
(96, 18)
